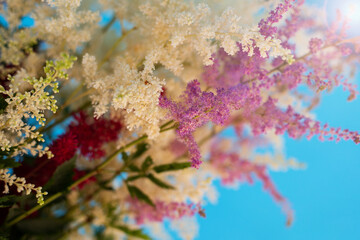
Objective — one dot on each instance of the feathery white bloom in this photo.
(136, 92)
(187, 228)
(68, 28)
(22, 105)
(21, 185)
(14, 45)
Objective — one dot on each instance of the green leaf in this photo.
(132, 232)
(28, 160)
(133, 178)
(172, 167)
(147, 163)
(107, 188)
(3, 104)
(134, 168)
(140, 195)
(102, 236)
(125, 157)
(42, 225)
(8, 200)
(9, 163)
(159, 182)
(140, 150)
(62, 177)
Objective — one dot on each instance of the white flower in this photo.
(21, 185)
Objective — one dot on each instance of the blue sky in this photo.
(325, 196)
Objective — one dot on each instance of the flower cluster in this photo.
(21, 185)
(265, 25)
(63, 149)
(198, 107)
(173, 210)
(82, 136)
(135, 137)
(136, 92)
(66, 26)
(296, 125)
(19, 107)
(91, 134)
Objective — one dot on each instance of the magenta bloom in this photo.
(265, 25)
(269, 116)
(199, 107)
(173, 210)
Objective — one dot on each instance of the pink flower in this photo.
(315, 44)
(173, 210)
(265, 25)
(200, 107)
(232, 169)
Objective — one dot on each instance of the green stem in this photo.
(34, 209)
(113, 48)
(77, 89)
(82, 179)
(166, 124)
(169, 128)
(107, 26)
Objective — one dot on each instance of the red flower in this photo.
(93, 133)
(63, 148)
(86, 134)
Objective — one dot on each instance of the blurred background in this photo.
(325, 196)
